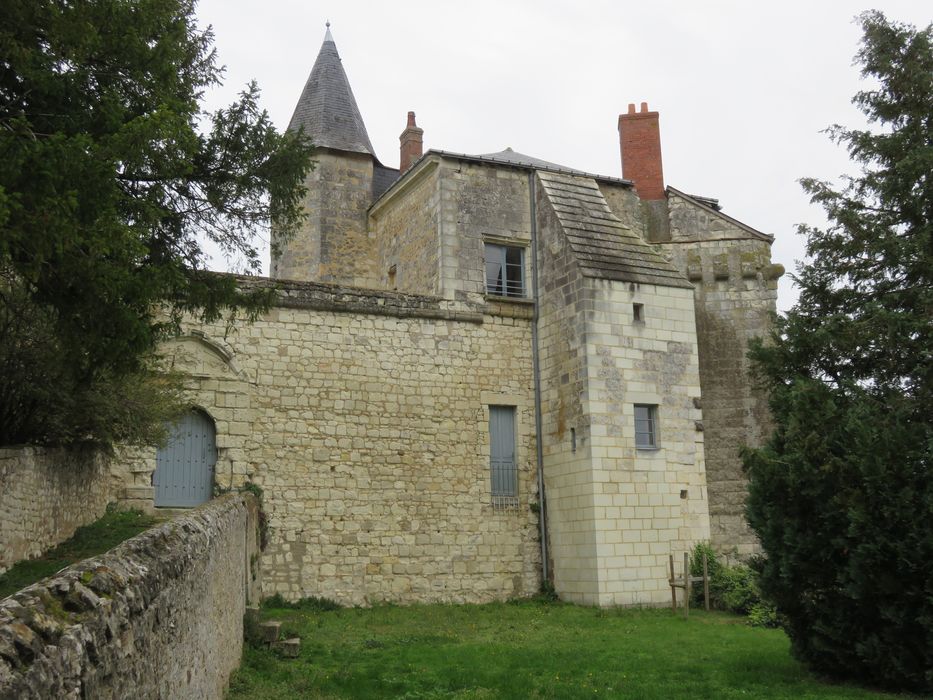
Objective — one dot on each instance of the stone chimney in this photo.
(640, 140)
(412, 144)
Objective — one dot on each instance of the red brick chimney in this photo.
(640, 139)
(412, 144)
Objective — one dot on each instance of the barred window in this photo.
(503, 471)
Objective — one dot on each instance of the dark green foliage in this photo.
(88, 541)
(113, 181)
(310, 603)
(842, 495)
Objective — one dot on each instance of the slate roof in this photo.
(327, 109)
(604, 247)
(516, 158)
(383, 178)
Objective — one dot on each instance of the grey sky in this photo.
(743, 88)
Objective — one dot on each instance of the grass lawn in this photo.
(87, 541)
(526, 650)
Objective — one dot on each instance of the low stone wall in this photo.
(45, 495)
(160, 616)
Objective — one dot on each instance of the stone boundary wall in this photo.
(159, 616)
(45, 495)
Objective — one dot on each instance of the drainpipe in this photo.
(536, 371)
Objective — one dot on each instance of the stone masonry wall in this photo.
(159, 616)
(616, 512)
(46, 494)
(406, 234)
(736, 293)
(479, 203)
(364, 417)
(333, 244)
(567, 467)
(649, 503)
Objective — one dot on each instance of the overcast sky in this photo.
(743, 88)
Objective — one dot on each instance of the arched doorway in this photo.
(184, 475)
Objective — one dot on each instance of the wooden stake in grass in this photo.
(686, 585)
(673, 586)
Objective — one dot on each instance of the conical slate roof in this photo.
(327, 109)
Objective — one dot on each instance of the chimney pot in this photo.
(411, 119)
(640, 145)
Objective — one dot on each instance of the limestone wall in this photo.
(46, 494)
(406, 234)
(364, 417)
(479, 202)
(648, 503)
(159, 616)
(736, 294)
(333, 244)
(616, 512)
(564, 416)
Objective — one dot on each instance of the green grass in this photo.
(88, 541)
(526, 650)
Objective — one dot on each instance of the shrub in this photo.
(731, 588)
(309, 603)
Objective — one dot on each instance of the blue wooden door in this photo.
(184, 474)
(503, 472)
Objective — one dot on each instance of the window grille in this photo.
(503, 471)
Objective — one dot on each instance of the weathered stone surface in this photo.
(368, 433)
(46, 494)
(736, 291)
(159, 616)
(615, 512)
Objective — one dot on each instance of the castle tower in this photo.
(332, 244)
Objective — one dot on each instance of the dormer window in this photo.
(505, 270)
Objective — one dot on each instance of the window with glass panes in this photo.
(505, 270)
(646, 425)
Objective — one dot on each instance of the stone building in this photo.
(482, 370)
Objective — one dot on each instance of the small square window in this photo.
(505, 270)
(646, 426)
(638, 313)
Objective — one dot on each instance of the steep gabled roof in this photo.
(327, 109)
(603, 246)
(706, 203)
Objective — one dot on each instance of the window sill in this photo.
(511, 300)
(648, 449)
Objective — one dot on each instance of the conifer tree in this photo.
(112, 180)
(842, 495)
